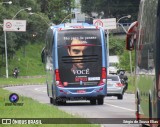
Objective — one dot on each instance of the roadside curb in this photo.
(130, 92)
(11, 85)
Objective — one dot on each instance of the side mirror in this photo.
(43, 55)
(131, 36)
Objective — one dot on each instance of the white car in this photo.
(114, 86)
(112, 70)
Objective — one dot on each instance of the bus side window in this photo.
(46, 40)
(49, 42)
(43, 55)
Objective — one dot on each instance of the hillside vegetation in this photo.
(27, 59)
(47, 12)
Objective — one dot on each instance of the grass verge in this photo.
(22, 81)
(27, 60)
(131, 86)
(33, 109)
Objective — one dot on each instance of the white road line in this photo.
(120, 107)
(41, 89)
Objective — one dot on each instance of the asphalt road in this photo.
(112, 107)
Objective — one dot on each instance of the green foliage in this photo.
(38, 28)
(44, 12)
(131, 86)
(17, 39)
(56, 10)
(34, 109)
(22, 80)
(48, 11)
(125, 60)
(115, 9)
(27, 59)
(116, 45)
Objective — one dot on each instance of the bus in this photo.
(143, 37)
(76, 63)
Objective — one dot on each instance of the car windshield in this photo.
(112, 78)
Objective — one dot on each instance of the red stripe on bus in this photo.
(80, 45)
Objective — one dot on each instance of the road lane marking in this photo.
(41, 89)
(120, 107)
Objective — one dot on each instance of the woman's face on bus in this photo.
(77, 51)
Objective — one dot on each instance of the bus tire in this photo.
(137, 106)
(51, 100)
(54, 101)
(120, 97)
(93, 101)
(150, 107)
(100, 100)
(60, 101)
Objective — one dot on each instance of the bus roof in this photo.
(74, 26)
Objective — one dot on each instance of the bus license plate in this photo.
(84, 79)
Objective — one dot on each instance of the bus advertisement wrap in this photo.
(80, 57)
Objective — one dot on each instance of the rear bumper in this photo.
(114, 91)
(113, 72)
(82, 92)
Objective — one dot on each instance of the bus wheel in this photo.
(150, 107)
(60, 101)
(100, 101)
(54, 102)
(137, 107)
(51, 100)
(93, 101)
(120, 96)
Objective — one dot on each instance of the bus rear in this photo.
(80, 64)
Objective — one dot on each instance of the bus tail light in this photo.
(58, 82)
(103, 76)
(104, 73)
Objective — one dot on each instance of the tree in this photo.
(56, 10)
(111, 8)
(15, 39)
(125, 60)
(116, 45)
(45, 12)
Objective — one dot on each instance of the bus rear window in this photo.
(87, 36)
